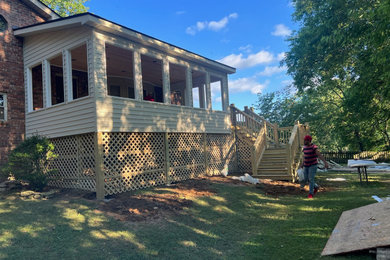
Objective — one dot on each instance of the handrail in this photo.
(258, 149)
(240, 118)
(264, 131)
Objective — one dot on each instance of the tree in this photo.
(338, 60)
(67, 7)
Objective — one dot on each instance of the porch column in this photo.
(68, 82)
(166, 82)
(188, 96)
(46, 84)
(137, 71)
(225, 94)
(201, 96)
(208, 92)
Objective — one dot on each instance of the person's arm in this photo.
(318, 153)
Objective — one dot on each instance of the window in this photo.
(177, 79)
(216, 92)
(199, 88)
(152, 78)
(57, 80)
(119, 65)
(37, 87)
(3, 107)
(3, 24)
(79, 72)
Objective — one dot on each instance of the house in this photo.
(15, 14)
(118, 104)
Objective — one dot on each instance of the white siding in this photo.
(42, 46)
(127, 115)
(75, 117)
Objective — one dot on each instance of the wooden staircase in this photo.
(275, 152)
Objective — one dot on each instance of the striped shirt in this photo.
(309, 155)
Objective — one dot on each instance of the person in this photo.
(311, 154)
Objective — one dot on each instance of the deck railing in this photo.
(268, 133)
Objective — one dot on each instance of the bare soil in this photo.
(168, 200)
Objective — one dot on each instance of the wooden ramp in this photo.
(360, 229)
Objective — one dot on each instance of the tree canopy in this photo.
(67, 7)
(339, 63)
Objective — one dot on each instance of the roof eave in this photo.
(42, 9)
(110, 27)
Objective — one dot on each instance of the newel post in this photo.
(276, 136)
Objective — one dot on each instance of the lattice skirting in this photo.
(244, 156)
(75, 163)
(130, 161)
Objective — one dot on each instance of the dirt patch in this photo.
(278, 188)
(167, 200)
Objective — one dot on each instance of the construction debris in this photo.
(362, 228)
(247, 178)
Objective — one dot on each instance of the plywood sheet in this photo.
(361, 228)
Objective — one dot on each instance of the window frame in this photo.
(5, 107)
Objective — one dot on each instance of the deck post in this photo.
(253, 157)
(99, 171)
(206, 162)
(166, 154)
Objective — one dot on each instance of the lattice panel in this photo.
(244, 156)
(133, 161)
(220, 151)
(186, 155)
(75, 163)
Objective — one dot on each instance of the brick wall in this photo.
(11, 73)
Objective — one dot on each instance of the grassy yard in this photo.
(239, 222)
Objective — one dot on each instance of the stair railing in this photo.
(293, 147)
(257, 127)
(258, 149)
(294, 153)
(272, 130)
(265, 131)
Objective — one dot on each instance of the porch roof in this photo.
(94, 21)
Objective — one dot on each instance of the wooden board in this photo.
(361, 228)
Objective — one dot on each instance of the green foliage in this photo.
(30, 160)
(339, 65)
(280, 107)
(67, 7)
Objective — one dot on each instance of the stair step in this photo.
(272, 171)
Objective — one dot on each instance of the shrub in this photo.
(30, 160)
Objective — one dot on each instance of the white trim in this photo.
(29, 93)
(109, 27)
(67, 74)
(5, 107)
(46, 81)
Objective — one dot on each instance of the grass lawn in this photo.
(238, 222)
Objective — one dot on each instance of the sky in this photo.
(249, 35)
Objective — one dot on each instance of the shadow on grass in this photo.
(236, 223)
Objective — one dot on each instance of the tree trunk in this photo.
(359, 141)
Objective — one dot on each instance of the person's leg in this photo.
(306, 177)
(312, 173)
